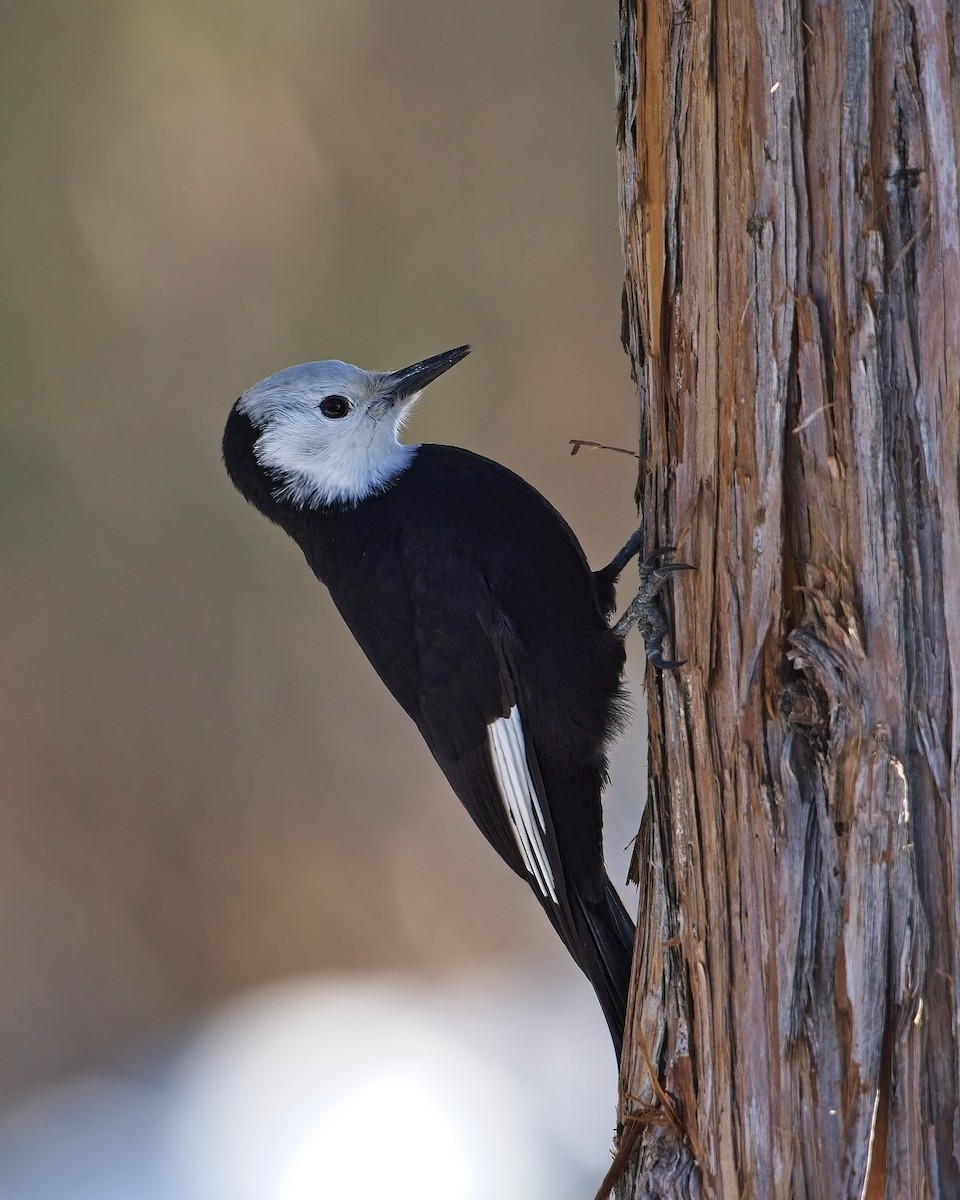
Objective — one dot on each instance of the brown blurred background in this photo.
(204, 785)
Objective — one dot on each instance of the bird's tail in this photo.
(603, 948)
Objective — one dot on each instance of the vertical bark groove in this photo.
(791, 234)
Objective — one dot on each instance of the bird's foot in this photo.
(645, 610)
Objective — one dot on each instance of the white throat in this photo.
(342, 471)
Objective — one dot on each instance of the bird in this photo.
(473, 600)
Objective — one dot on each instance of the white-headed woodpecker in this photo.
(473, 601)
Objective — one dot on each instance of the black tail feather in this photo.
(601, 941)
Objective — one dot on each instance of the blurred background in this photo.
(206, 796)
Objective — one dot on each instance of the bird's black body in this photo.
(471, 597)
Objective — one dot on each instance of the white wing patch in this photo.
(508, 751)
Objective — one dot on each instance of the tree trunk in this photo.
(791, 308)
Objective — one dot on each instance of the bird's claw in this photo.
(645, 610)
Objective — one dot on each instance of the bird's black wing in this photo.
(447, 647)
(472, 718)
(424, 613)
(470, 714)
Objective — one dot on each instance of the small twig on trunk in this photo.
(578, 443)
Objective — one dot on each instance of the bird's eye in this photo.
(334, 406)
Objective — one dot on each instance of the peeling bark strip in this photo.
(792, 311)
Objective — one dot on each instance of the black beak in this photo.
(405, 382)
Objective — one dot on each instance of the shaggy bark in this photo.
(791, 307)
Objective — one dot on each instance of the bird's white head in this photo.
(328, 431)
